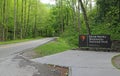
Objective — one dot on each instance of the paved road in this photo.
(7, 50)
(83, 63)
(13, 64)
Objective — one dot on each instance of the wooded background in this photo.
(21, 19)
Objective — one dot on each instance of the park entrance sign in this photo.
(96, 41)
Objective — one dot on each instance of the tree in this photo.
(15, 3)
(28, 19)
(21, 30)
(3, 20)
(85, 17)
(79, 22)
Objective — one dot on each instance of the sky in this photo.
(53, 2)
(48, 1)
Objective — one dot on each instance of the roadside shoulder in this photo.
(116, 61)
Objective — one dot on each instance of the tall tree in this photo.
(35, 19)
(21, 28)
(25, 14)
(90, 5)
(79, 22)
(15, 3)
(3, 20)
(85, 17)
(28, 19)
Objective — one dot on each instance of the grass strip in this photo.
(18, 41)
(53, 47)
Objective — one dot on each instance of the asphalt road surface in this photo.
(10, 49)
(83, 63)
(13, 64)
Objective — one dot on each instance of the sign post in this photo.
(95, 41)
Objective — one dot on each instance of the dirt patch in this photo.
(116, 61)
(62, 70)
(29, 54)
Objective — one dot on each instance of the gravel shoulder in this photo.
(29, 54)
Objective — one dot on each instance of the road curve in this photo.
(83, 63)
(10, 49)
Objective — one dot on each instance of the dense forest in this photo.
(68, 19)
(22, 19)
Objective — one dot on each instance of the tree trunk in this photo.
(90, 5)
(25, 18)
(61, 17)
(35, 24)
(17, 20)
(119, 9)
(14, 19)
(85, 17)
(3, 21)
(79, 22)
(7, 13)
(29, 6)
(21, 30)
(74, 14)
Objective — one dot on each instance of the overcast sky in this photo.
(53, 2)
(48, 1)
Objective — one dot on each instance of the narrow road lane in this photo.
(14, 64)
(7, 50)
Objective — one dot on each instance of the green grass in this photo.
(53, 47)
(17, 41)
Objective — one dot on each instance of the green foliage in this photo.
(61, 19)
(31, 19)
(107, 18)
(71, 36)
